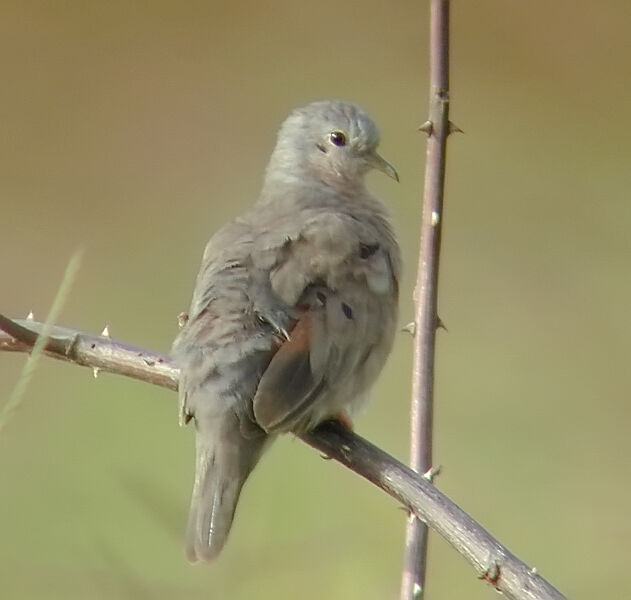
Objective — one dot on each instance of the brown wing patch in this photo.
(288, 385)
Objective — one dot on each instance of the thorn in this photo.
(410, 328)
(95, 372)
(534, 570)
(431, 473)
(105, 332)
(427, 127)
(453, 128)
(440, 324)
(182, 319)
(492, 574)
(417, 590)
(435, 218)
(30, 316)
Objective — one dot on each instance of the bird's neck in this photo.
(297, 183)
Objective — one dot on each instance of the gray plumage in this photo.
(294, 309)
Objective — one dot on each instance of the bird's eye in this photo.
(337, 138)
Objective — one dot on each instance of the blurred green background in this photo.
(134, 129)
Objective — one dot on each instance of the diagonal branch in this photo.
(491, 560)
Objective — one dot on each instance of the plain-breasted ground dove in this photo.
(294, 308)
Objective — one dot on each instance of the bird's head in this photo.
(332, 141)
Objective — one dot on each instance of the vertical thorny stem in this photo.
(425, 295)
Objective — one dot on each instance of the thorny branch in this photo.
(426, 320)
(492, 561)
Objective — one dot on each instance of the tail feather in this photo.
(224, 460)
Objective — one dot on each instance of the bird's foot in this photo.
(344, 419)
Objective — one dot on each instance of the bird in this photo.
(294, 309)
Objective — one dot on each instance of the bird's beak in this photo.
(381, 164)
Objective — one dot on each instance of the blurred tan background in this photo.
(134, 129)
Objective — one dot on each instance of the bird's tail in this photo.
(225, 458)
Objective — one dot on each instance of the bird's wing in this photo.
(339, 278)
(223, 349)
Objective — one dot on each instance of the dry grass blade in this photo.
(29, 368)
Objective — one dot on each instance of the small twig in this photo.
(93, 351)
(491, 560)
(437, 129)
